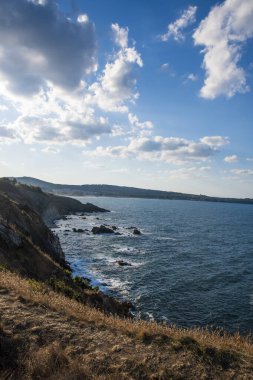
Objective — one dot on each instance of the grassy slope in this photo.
(45, 335)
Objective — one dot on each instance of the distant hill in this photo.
(122, 191)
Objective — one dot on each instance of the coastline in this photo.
(91, 279)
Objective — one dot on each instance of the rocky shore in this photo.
(30, 248)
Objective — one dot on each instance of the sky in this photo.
(150, 93)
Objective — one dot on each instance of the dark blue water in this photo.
(192, 265)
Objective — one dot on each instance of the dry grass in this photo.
(126, 349)
(39, 293)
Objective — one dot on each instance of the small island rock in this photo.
(122, 263)
(102, 230)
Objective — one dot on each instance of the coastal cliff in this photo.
(29, 248)
(57, 327)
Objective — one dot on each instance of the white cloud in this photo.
(242, 172)
(83, 18)
(51, 150)
(175, 29)
(38, 44)
(7, 135)
(165, 66)
(120, 35)
(3, 108)
(231, 159)
(215, 141)
(191, 172)
(168, 149)
(192, 77)
(117, 84)
(223, 33)
(57, 117)
(134, 121)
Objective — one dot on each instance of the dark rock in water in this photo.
(117, 233)
(64, 217)
(78, 230)
(122, 263)
(98, 218)
(66, 230)
(84, 217)
(136, 232)
(102, 230)
(114, 228)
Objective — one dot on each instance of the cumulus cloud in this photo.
(168, 149)
(58, 117)
(39, 44)
(143, 128)
(175, 29)
(231, 159)
(222, 33)
(215, 141)
(120, 35)
(117, 84)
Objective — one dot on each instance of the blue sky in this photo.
(149, 93)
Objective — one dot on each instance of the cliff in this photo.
(48, 206)
(29, 248)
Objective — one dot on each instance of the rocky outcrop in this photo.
(26, 243)
(48, 206)
(9, 238)
(123, 263)
(102, 230)
(29, 247)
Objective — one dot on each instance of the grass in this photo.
(141, 349)
(41, 294)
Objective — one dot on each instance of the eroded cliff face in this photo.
(28, 246)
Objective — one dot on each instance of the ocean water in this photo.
(192, 265)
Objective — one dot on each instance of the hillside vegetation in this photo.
(124, 191)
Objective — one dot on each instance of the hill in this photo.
(123, 191)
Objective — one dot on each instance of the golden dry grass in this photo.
(109, 347)
(39, 293)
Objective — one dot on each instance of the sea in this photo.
(192, 265)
